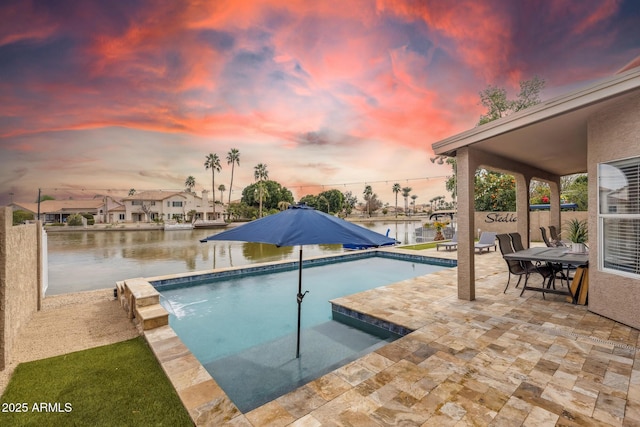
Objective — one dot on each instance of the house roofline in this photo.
(601, 91)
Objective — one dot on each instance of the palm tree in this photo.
(132, 192)
(190, 182)
(396, 190)
(368, 191)
(221, 189)
(233, 158)
(283, 205)
(405, 194)
(431, 201)
(260, 174)
(213, 162)
(414, 197)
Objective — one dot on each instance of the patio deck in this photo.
(501, 360)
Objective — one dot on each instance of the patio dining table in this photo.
(551, 256)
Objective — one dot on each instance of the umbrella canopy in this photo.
(303, 225)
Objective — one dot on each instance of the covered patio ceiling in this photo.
(546, 141)
(551, 136)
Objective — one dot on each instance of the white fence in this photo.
(45, 263)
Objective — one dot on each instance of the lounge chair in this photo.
(450, 245)
(487, 241)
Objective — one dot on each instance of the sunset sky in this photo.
(110, 95)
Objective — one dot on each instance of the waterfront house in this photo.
(161, 205)
(59, 210)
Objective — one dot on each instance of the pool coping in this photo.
(187, 279)
(201, 395)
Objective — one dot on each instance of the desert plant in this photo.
(440, 225)
(577, 231)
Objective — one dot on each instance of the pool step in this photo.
(142, 303)
(264, 372)
(152, 316)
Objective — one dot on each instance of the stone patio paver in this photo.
(500, 360)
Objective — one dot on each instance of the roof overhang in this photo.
(550, 136)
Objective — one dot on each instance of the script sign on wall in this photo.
(500, 217)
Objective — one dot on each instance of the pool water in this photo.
(243, 329)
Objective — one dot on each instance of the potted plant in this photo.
(577, 233)
(439, 226)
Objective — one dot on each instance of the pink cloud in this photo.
(295, 76)
(13, 28)
(477, 32)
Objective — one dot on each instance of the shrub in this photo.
(19, 217)
(90, 219)
(74, 220)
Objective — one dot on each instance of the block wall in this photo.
(20, 278)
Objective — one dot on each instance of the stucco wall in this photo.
(19, 279)
(613, 134)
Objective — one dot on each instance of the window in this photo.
(136, 202)
(619, 216)
(177, 204)
(121, 217)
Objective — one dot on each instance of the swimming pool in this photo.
(241, 324)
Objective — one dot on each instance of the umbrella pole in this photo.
(300, 297)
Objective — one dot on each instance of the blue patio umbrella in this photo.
(303, 225)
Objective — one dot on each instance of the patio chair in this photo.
(450, 245)
(545, 238)
(520, 268)
(555, 237)
(487, 241)
(514, 267)
(516, 241)
(559, 269)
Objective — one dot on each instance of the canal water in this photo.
(88, 260)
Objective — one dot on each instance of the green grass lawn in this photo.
(116, 385)
(421, 246)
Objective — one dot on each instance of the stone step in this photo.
(152, 316)
(143, 292)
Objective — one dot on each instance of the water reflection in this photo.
(402, 231)
(261, 252)
(86, 260)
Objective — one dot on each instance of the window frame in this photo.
(615, 214)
